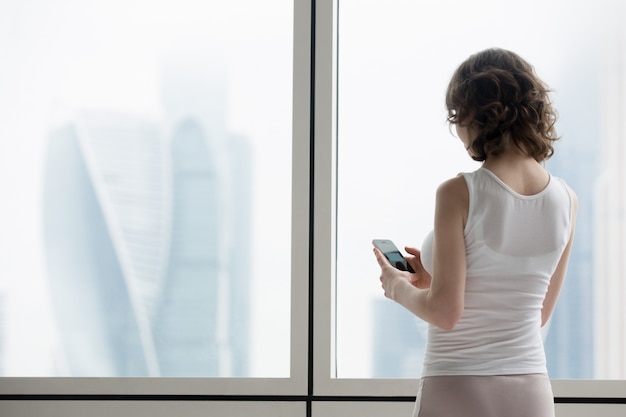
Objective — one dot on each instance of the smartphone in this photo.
(393, 254)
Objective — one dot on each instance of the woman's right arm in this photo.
(442, 302)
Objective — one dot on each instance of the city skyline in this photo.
(154, 215)
(64, 87)
(215, 63)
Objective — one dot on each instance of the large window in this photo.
(190, 190)
(145, 152)
(394, 147)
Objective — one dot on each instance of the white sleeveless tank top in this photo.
(513, 244)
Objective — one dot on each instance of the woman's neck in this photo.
(519, 171)
(511, 158)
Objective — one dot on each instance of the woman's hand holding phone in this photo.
(392, 277)
(422, 278)
(393, 280)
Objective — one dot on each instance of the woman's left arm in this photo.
(556, 281)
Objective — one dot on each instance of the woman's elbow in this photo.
(448, 318)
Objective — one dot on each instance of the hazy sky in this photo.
(59, 57)
(62, 57)
(396, 58)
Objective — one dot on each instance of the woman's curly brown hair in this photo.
(497, 95)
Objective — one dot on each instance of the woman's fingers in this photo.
(413, 251)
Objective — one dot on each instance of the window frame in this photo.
(325, 233)
(313, 268)
(294, 385)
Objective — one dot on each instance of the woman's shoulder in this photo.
(457, 184)
(573, 197)
(454, 191)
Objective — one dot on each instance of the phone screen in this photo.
(393, 254)
(396, 259)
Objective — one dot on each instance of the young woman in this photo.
(489, 275)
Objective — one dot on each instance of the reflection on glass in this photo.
(394, 148)
(147, 184)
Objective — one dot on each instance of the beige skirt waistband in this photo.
(485, 396)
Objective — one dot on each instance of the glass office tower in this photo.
(141, 221)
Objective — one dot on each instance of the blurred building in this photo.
(569, 334)
(610, 216)
(399, 341)
(104, 216)
(147, 247)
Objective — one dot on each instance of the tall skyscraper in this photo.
(101, 203)
(190, 317)
(140, 238)
(239, 251)
(570, 332)
(211, 218)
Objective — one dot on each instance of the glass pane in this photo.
(394, 148)
(145, 161)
